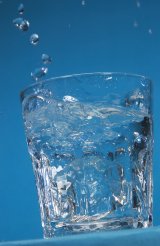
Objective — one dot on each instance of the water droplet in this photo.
(83, 3)
(150, 31)
(21, 24)
(39, 73)
(46, 59)
(138, 4)
(135, 24)
(21, 9)
(69, 99)
(34, 39)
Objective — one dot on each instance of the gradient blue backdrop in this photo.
(99, 36)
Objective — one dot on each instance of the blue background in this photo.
(99, 36)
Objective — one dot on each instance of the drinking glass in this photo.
(90, 140)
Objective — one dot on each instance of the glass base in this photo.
(62, 229)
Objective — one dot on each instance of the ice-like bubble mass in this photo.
(34, 39)
(21, 24)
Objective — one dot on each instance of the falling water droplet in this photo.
(21, 24)
(39, 73)
(135, 24)
(34, 39)
(138, 4)
(21, 9)
(83, 3)
(46, 59)
(150, 31)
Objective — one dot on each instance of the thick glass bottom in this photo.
(62, 229)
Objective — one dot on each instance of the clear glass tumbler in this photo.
(90, 140)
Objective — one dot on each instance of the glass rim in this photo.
(41, 82)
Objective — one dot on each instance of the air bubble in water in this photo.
(69, 99)
(46, 59)
(21, 24)
(39, 73)
(21, 9)
(34, 39)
